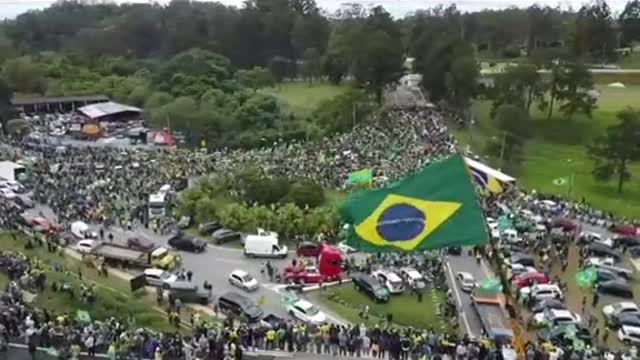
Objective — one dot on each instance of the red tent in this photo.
(164, 138)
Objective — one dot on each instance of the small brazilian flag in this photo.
(434, 208)
(360, 177)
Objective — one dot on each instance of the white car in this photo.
(624, 307)
(85, 246)
(466, 280)
(14, 186)
(7, 193)
(629, 335)
(555, 317)
(159, 277)
(413, 278)
(306, 312)
(390, 280)
(346, 249)
(243, 280)
(597, 261)
(542, 292)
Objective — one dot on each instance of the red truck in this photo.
(328, 268)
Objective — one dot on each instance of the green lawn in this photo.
(557, 149)
(347, 302)
(114, 298)
(301, 98)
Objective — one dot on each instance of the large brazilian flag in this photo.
(431, 209)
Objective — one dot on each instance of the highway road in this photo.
(213, 266)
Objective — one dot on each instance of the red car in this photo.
(626, 229)
(308, 249)
(307, 276)
(529, 279)
(43, 225)
(564, 223)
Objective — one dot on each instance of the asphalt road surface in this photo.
(214, 266)
(469, 320)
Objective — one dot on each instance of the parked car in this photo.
(625, 240)
(308, 249)
(554, 317)
(187, 243)
(140, 244)
(413, 278)
(530, 279)
(346, 249)
(612, 311)
(24, 202)
(634, 251)
(629, 335)
(243, 280)
(371, 287)
(466, 280)
(241, 306)
(606, 275)
(306, 312)
(615, 288)
(542, 292)
(548, 304)
(159, 278)
(390, 280)
(564, 335)
(601, 250)
(625, 319)
(564, 223)
(188, 292)
(209, 228)
(523, 259)
(223, 236)
(85, 246)
(7, 194)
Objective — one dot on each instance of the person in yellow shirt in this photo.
(271, 339)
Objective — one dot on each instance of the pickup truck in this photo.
(122, 255)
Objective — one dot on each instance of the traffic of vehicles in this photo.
(122, 255)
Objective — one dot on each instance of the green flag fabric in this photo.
(360, 177)
(431, 209)
(587, 277)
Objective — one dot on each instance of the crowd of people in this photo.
(105, 184)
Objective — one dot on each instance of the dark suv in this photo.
(235, 304)
(188, 293)
(371, 287)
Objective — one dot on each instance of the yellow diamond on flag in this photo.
(404, 222)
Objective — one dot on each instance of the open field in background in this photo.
(301, 98)
(557, 149)
(113, 295)
(406, 309)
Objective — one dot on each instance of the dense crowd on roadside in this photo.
(99, 184)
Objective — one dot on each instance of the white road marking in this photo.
(456, 292)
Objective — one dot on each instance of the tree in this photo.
(255, 78)
(613, 152)
(279, 67)
(24, 75)
(234, 216)
(335, 66)
(312, 64)
(462, 80)
(290, 219)
(519, 85)
(5, 104)
(306, 194)
(205, 210)
(629, 22)
(592, 33)
(378, 62)
(515, 126)
(18, 127)
(576, 90)
(320, 219)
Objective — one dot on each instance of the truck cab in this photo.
(330, 262)
(163, 259)
(157, 205)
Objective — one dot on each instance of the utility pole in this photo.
(503, 142)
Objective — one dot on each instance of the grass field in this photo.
(301, 98)
(113, 295)
(557, 149)
(347, 302)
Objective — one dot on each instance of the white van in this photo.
(263, 246)
(81, 230)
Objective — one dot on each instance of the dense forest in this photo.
(198, 66)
